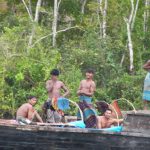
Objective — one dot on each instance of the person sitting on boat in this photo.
(26, 113)
(106, 121)
(54, 87)
(85, 92)
(146, 90)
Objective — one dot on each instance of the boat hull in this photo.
(54, 138)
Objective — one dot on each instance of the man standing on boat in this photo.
(85, 92)
(26, 113)
(87, 87)
(106, 121)
(146, 91)
(54, 87)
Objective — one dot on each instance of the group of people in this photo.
(57, 89)
(87, 87)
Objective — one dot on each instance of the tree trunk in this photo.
(54, 27)
(99, 10)
(30, 7)
(130, 45)
(36, 19)
(104, 18)
(122, 59)
(103, 11)
(146, 15)
(134, 16)
(27, 10)
(132, 12)
(83, 6)
(38, 5)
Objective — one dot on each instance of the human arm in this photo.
(32, 113)
(99, 126)
(38, 117)
(66, 90)
(117, 121)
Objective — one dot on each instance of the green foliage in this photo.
(24, 70)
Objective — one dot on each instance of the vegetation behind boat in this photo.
(24, 69)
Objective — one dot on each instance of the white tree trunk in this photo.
(36, 19)
(132, 12)
(146, 15)
(30, 7)
(38, 5)
(99, 9)
(122, 59)
(103, 10)
(130, 45)
(83, 6)
(145, 18)
(134, 15)
(27, 10)
(104, 18)
(54, 27)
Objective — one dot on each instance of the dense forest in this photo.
(110, 36)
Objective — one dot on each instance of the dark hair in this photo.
(30, 97)
(90, 71)
(108, 109)
(55, 72)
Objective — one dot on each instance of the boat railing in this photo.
(81, 113)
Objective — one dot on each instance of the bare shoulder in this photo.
(99, 117)
(83, 81)
(27, 106)
(48, 81)
(93, 83)
(60, 82)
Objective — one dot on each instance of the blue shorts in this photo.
(146, 95)
(85, 98)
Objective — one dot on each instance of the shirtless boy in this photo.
(106, 121)
(26, 112)
(54, 87)
(87, 87)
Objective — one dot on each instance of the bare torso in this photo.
(87, 87)
(23, 111)
(54, 88)
(104, 123)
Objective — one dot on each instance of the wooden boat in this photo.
(135, 135)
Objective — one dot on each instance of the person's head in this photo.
(89, 73)
(108, 113)
(147, 66)
(32, 100)
(54, 74)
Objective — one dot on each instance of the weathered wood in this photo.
(139, 122)
(47, 138)
(34, 137)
